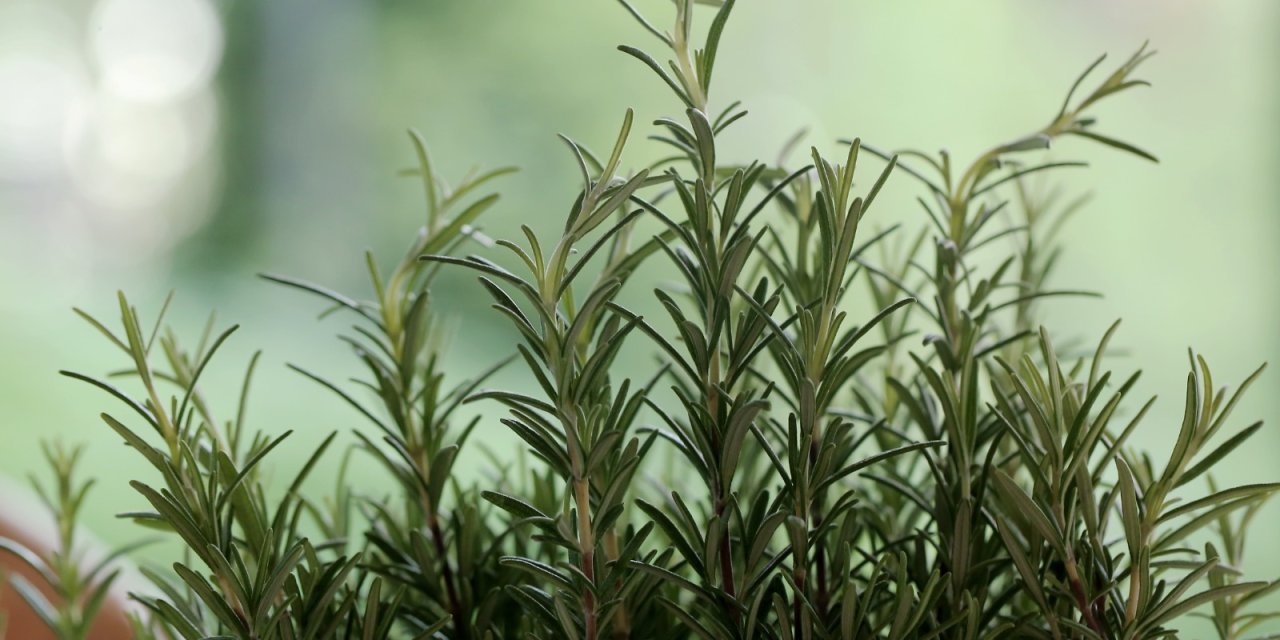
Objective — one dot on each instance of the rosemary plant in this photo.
(932, 469)
(80, 591)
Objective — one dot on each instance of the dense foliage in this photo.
(935, 469)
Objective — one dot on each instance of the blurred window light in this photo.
(45, 94)
(108, 122)
(123, 155)
(155, 50)
(43, 84)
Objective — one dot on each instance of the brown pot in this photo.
(27, 521)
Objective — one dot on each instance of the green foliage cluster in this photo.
(936, 469)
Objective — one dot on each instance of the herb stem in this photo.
(621, 621)
(586, 548)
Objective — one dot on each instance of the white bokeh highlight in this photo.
(109, 123)
(155, 50)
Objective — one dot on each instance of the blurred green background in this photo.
(152, 145)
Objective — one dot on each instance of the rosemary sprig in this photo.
(933, 468)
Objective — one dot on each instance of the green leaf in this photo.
(458, 225)
(515, 506)
(1116, 144)
(713, 43)
(657, 68)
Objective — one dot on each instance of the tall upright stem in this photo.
(586, 548)
(442, 551)
(621, 621)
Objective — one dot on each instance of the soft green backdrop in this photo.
(291, 123)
